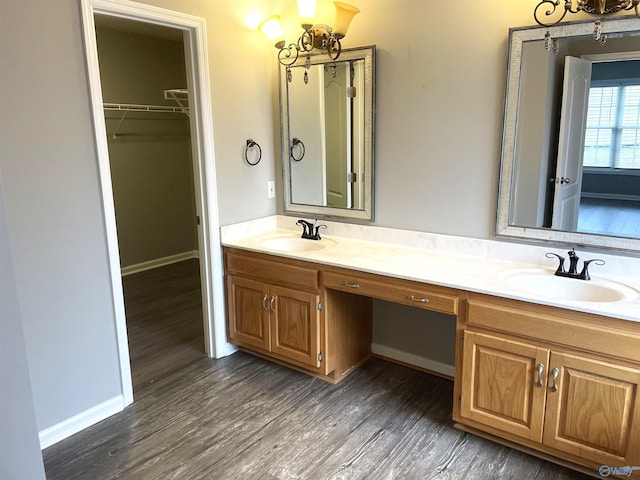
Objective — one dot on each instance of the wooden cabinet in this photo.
(557, 383)
(248, 323)
(275, 309)
(502, 388)
(546, 389)
(592, 410)
(415, 294)
(274, 319)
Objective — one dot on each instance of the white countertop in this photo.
(458, 262)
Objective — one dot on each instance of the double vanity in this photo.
(546, 364)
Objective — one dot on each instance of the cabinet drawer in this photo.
(272, 272)
(399, 291)
(573, 329)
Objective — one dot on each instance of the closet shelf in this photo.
(180, 96)
(131, 107)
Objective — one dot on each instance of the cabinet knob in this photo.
(540, 370)
(554, 375)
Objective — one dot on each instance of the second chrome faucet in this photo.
(573, 265)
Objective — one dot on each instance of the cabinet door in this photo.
(247, 301)
(295, 325)
(501, 387)
(593, 413)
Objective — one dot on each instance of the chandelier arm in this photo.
(287, 56)
(552, 7)
(332, 51)
(305, 42)
(617, 7)
(582, 5)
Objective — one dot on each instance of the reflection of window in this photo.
(612, 138)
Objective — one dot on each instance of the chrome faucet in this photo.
(310, 230)
(573, 265)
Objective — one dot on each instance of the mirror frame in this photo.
(366, 214)
(516, 37)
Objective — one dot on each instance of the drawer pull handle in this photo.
(554, 374)
(414, 299)
(264, 304)
(540, 370)
(350, 285)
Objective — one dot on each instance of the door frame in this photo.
(198, 84)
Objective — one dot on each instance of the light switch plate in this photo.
(271, 189)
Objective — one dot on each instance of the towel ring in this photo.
(249, 146)
(294, 144)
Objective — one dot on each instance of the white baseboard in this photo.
(412, 359)
(78, 422)
(159, 262)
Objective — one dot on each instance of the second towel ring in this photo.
(250, 145)
(297, 142)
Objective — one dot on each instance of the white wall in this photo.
(54, 211)
(306, 124)
(533, 144)
(20, 456)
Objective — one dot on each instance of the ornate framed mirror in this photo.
(563, 159)
(327, 111)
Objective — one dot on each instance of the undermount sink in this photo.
(544, 283)
(286, 242)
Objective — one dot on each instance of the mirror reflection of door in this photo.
(611, 177)
(596, 180)
(337, 122)
(568, 179)
(327, 114)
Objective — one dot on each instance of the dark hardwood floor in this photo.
(620, 218)
(164, 321)
(241, 417)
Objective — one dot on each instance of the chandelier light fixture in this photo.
(547, 9)
(314, 36)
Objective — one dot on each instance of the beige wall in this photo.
(150, 158)
(244, 103)
(441, 74)
(440, 85)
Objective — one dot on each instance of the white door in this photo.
(568, 179)
(338, 136)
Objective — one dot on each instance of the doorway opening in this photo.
(194, 131)
(146, 109)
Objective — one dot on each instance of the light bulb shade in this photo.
(344, 15)
(271, 28)
(306, 11)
